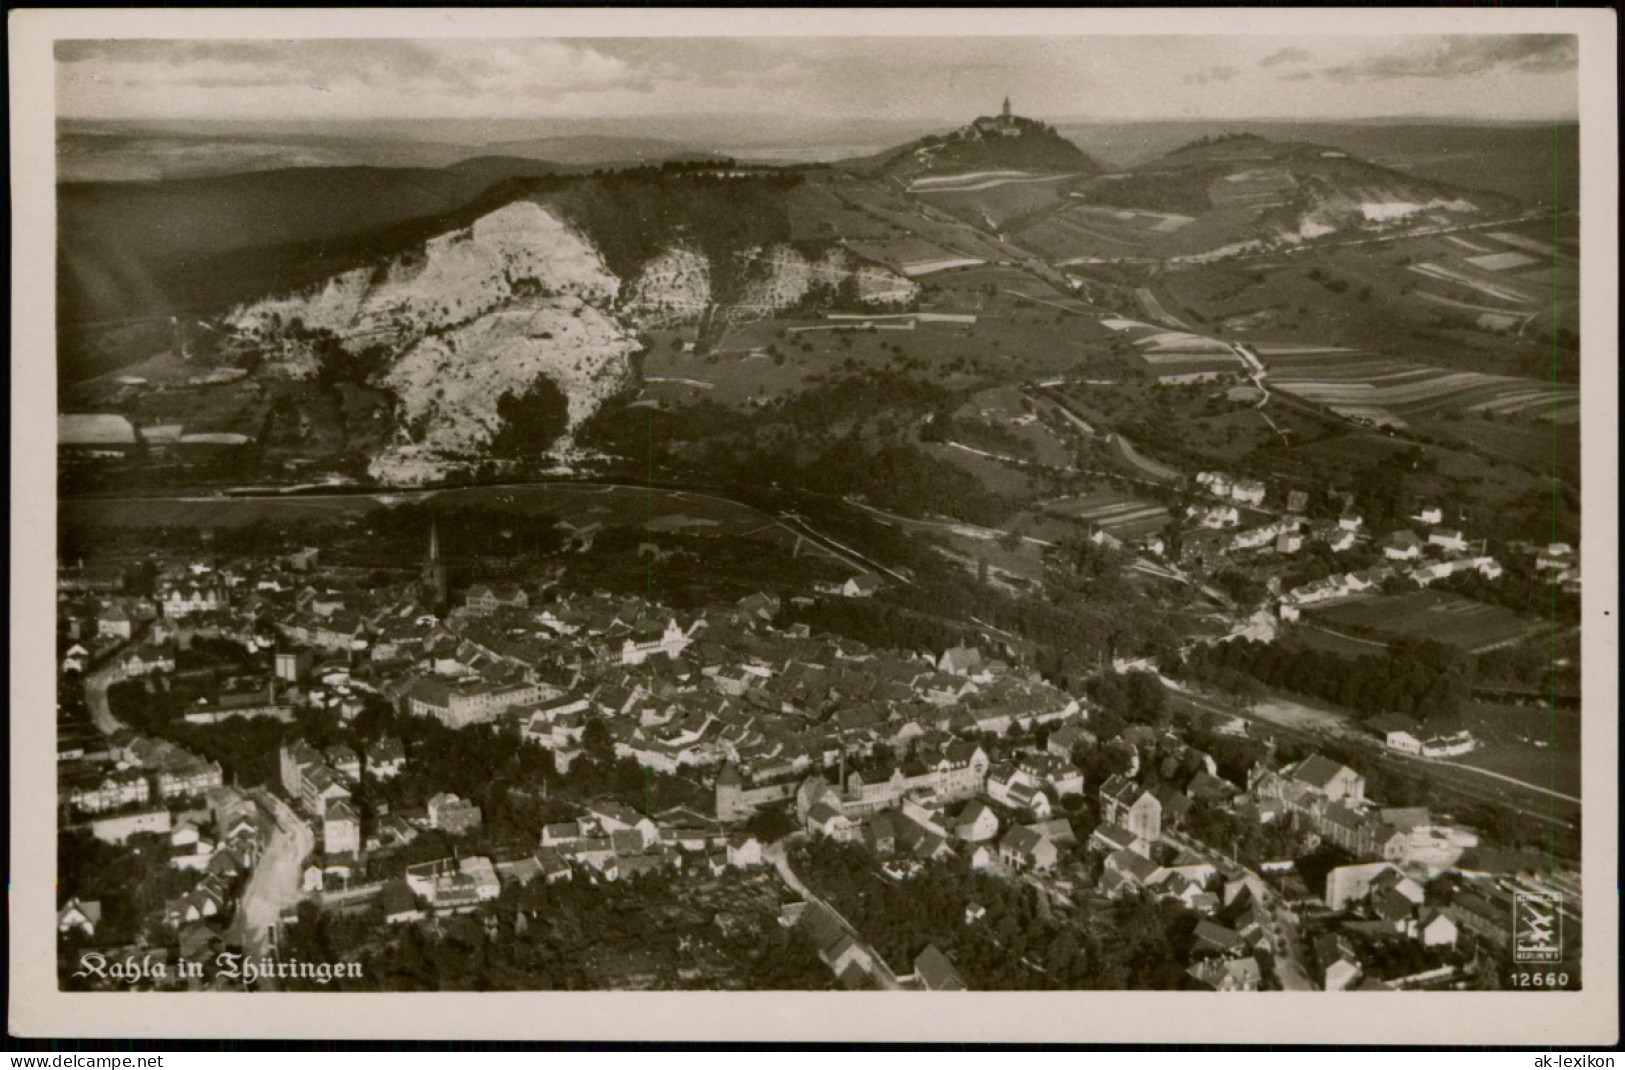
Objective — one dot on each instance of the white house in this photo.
(1448, 539)
(1434, 929)
(1402, 738)
(1402, 545)
(1247, 492)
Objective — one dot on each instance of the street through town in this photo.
(273, 885)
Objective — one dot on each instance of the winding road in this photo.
(274, 884)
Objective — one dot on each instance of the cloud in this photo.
(1463, 56)
(537, 67)
(1286, 55)
(1217, 73)
(1296, 76)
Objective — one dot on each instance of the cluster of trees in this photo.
(132, 882)
(1128, 698)
(1414, 677)
(1247, 841)
(1331, 282)
(635, 214)
(1520, 588)
(532, 419)
(1017, 945)
(857, 399)
(1135, 943)
(878, 624)
(516, 784)
(245, 749)
(566, 936)
(982, 434)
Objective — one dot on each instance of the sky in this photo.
(899, 78)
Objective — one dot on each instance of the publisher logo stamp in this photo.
(1537, 928)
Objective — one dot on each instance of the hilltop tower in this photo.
(432, 581)
(1005, 114)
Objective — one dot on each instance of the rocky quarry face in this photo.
(780, 277)
(518, 295)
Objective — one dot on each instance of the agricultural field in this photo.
(1474, 627)
(1117, 513)
(1174, 356)
(974, 325)
(995, 200)
(910, 234)
(1471, 287)
(1383, 392)
(1092, 233)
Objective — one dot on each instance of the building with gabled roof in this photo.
(934, 973)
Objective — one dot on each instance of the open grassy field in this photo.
(1532, 447)
(1085, 233)
(1014, 417)
(1013, 338)
(1473, 627)
(1538, 746)
(892, 226)
(996, 201)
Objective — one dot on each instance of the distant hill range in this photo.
(1536, 163)
(1000, 188)
(1326, 185)
(143, 152)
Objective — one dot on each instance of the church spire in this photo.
(432, 582)
(1006, 112)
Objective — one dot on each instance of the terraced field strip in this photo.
(1527, 400)
(1272, 349)
(1160, 358)
(1118, 513)
(928, 267)
(1182, 343)
(1155, 309)
(1098, 229)
(1439, 299)
(1443, 274)
(1155, 470)
(1367, 371)
(1501, 261)
(1368, 414)
(1528, 245)
(1440, 386)
(993, 183)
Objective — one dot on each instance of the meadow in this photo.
(1473, 627)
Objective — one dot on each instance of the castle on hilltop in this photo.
(1004, 124)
